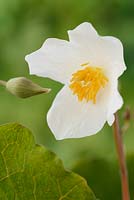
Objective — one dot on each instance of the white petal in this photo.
(112, 52)
(111, 119)
(56, 59)
(69, 118)
(115, 102)
(85, 39)
(100, 51)
(84, 34)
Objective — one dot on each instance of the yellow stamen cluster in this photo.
(87, 82)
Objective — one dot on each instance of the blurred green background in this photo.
(24, 26)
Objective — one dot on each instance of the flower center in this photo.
(87, 82)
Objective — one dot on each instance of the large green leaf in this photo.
(31, 172)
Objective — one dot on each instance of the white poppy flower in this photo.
(89, 66)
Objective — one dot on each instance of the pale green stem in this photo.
(3, 83)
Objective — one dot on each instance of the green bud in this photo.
(24, 88)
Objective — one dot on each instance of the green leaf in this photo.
(31, 172)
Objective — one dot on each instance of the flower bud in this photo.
(24, 88)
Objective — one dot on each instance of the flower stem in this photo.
(3, 83)
(121, 158)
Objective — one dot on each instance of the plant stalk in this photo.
(3, 83)
(121, 158)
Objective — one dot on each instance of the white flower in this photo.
(89, 66)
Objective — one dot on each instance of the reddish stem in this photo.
(121, 158)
